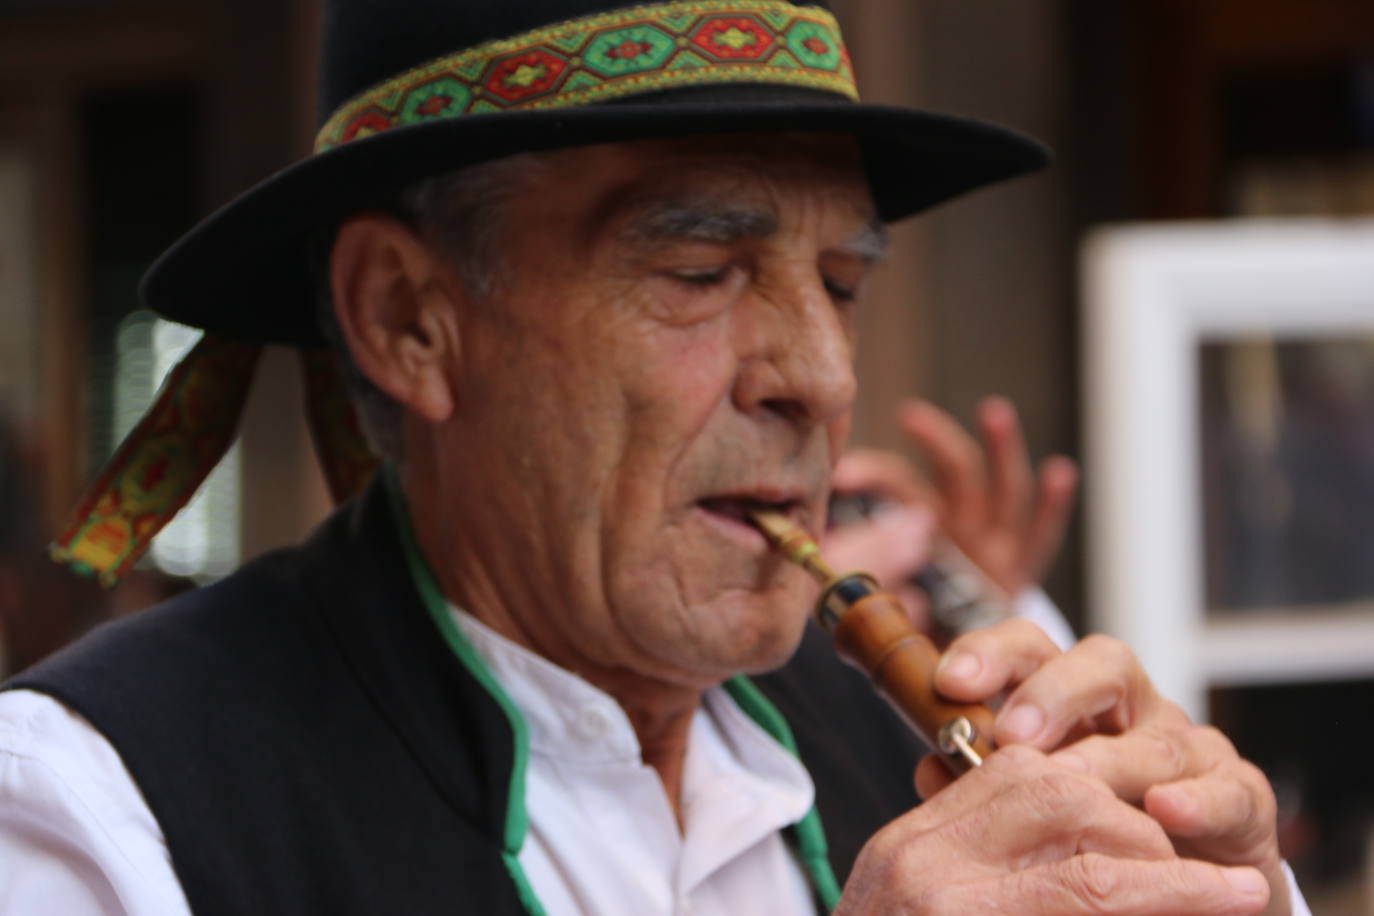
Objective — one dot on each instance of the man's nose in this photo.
(798, 354)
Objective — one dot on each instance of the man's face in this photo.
(670, 342)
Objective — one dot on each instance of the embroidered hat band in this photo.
(607, 56)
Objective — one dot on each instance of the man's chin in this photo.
(767, 649)
(737, 631)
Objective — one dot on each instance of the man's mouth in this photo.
(736, 510)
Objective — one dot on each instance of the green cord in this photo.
(516, 821)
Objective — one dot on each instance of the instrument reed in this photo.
(872, 632)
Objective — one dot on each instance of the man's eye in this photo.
(701, 277)
(840, 292)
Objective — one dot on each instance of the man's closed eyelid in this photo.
(701, 276)
(841, 292)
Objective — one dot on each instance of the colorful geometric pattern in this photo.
(345, 458)
(611, 55)
(162, 462)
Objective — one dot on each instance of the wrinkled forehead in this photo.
(652, 186)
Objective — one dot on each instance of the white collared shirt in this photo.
(603, 838)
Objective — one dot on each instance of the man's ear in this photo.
(397, 313)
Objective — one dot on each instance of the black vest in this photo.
(309, 744)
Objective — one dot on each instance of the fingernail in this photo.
(1246, 882)
(914, 413)
(997, 410)
(1023, 723)
(963, 666)
(1185, 806)
(1072, 761)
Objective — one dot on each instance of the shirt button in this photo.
(592, 723)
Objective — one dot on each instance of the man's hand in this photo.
(1005, 517)
(1024, 834)
(1096, 713)
(987, 500)
(1134, 810)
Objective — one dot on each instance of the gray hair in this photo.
(459, 213)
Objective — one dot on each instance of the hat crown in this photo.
(411, 89)
(366, 42)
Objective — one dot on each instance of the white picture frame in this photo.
(1152, 294)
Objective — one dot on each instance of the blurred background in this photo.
(121, 123)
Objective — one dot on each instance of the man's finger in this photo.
(1235, 803)
(980, 664)
(1099, 679)
(1095, 883)
(956, 460)
(1009, 476)
(932, 776)
(1058, 484)
(1148, 756)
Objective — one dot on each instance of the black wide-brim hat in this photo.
(411, 89)
(414, 88)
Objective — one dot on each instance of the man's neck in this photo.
(660, 711)
(661, 716)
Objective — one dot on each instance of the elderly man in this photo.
(588, 333)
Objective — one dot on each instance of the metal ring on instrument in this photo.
(956, 740)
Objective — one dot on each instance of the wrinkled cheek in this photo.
(682, 583)
(773, 631)
(694, 570)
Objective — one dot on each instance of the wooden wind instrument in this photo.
(872, 632)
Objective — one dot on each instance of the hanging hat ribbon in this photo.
(342, 449)
(162, 461)
(193, 421)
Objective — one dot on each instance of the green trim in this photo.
(809, 832)
(517, 823)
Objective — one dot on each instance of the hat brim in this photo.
(242, 272)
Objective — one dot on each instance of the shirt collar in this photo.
(571, 719)
(739, 784)
(565, 715)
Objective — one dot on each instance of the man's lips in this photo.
(734, 510)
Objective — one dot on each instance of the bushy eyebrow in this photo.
(869, 243)
(701, 222)
(722, 224)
